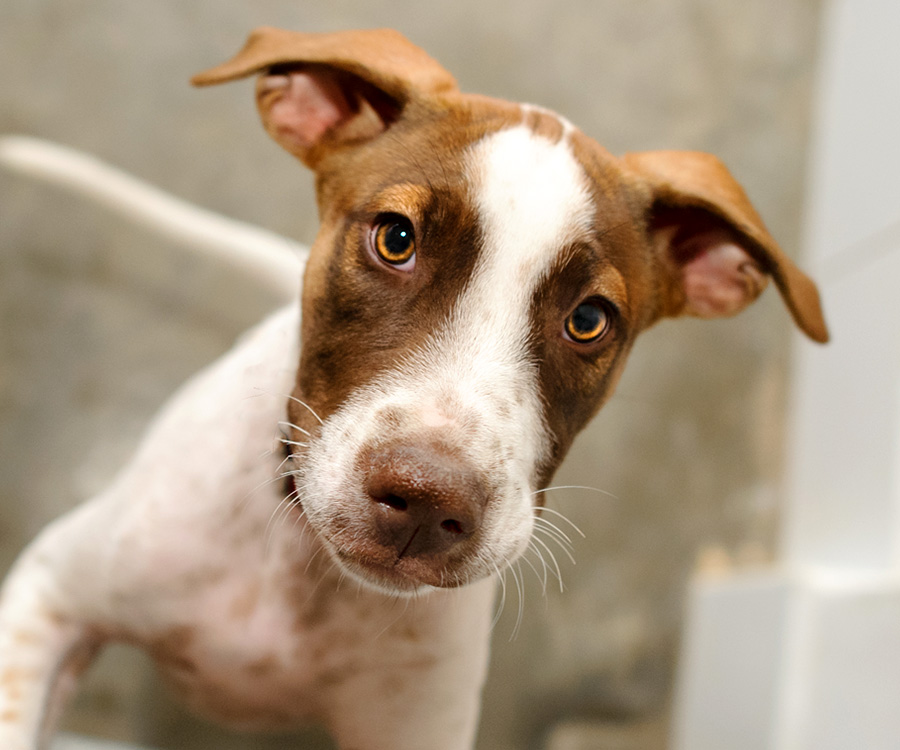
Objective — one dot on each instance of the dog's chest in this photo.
(276, 647)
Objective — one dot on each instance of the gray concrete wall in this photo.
(99, 321)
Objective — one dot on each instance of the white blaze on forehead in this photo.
(533, 201)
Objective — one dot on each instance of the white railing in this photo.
(260, 255)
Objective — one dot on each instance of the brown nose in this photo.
(426, 500)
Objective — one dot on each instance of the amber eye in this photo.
(395, 241)
(588, 322)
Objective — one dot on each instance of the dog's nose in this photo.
(426, 500)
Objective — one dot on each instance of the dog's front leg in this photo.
(45, 643)
(41, 654)
(392, 711)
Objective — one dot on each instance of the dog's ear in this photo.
(320, 91)
(717, 249)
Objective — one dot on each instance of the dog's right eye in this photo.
(394, 241)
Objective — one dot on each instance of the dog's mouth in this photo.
(403, 576)
(362, 555)
(358, 554)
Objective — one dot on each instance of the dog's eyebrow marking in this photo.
(406, 198)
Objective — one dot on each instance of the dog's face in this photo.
(465, 313)
(481, 273)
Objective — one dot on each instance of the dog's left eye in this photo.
(588, 322)
(394, 242)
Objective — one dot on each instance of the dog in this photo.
(481, 273)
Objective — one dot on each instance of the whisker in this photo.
(284, 460)
(406, 601)
(536, 573)
(278, 515)
(566, 550)
(300, 516)
(284, 423)
(502, 578)
(278, 476)
(305, 406)
(552, 530)
(305, 532)
(312, 558)
(285, 441)
(290, 397)
(551, 539)
(577, 487)
(544, 568)
(520, 590)
(556, 513)
(552, 560)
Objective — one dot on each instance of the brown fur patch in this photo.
(172, 650)
(13, 678)
(262, 667)
(317, 608)
(335, 676)
(543, 123)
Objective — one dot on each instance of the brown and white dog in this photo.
(482, 270)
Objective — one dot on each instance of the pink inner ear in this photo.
(309, 105)
(720, 278)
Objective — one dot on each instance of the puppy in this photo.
(481, 273)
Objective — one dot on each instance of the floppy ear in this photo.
(717, 248)
(320, 91)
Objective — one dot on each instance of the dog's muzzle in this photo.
(421, 512)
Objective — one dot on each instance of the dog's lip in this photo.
(403, 575)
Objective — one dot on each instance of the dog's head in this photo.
(481, 273)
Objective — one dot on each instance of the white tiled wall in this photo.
(806, 656)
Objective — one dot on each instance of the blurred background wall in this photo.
(99, 321)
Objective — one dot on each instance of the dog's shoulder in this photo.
(223, 419)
